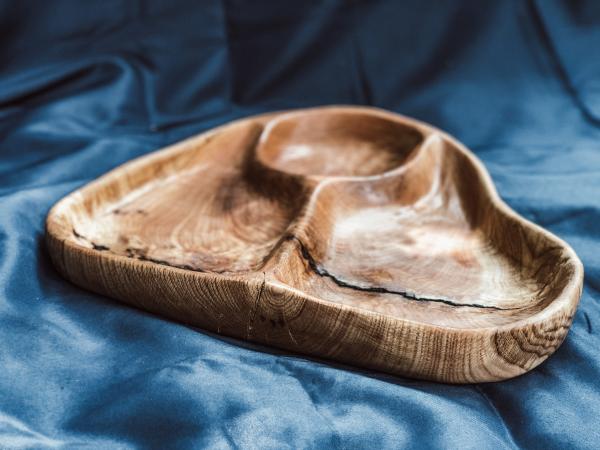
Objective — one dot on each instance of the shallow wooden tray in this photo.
(345, 233)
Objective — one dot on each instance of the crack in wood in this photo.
(251, 318)
(321, 271)
(136, 254)
(315, 267)
(94, 245)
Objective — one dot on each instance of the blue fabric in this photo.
(85, 86)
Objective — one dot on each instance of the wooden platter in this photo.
(347, 233)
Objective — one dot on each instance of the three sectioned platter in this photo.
(346, 233)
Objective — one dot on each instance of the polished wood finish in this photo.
(345, 233)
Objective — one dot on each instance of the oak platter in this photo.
(347, 233)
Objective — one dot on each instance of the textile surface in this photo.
(86, 86)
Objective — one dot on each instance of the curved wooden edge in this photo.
(448, 355)
(263, 311)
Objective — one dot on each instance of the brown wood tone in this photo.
(345, 233)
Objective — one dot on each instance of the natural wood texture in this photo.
(346, 233)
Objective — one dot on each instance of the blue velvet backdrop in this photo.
(85, 86)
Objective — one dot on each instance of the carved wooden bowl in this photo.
(345, 233)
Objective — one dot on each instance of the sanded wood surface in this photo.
(346, 233)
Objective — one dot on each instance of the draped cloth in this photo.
(86, 86)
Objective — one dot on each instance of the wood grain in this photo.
(346, 233)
